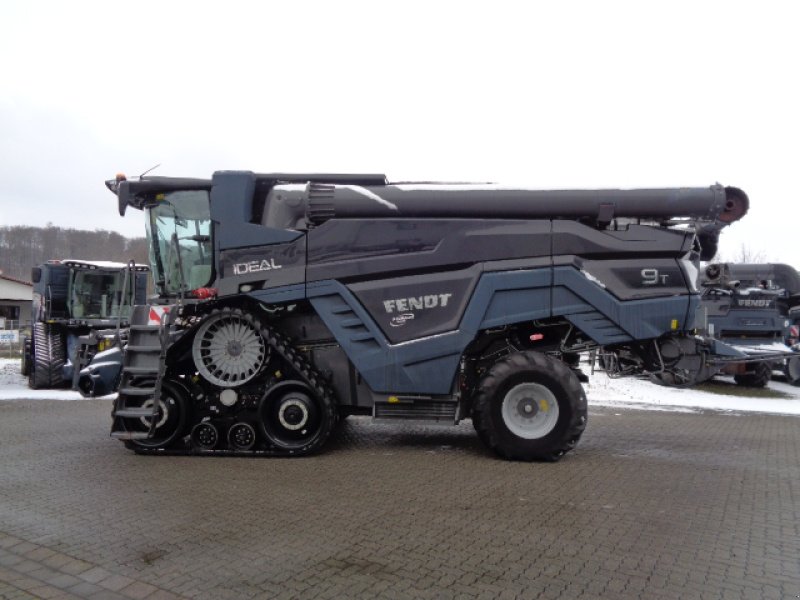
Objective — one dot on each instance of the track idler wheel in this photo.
(171, 417)
(205, 436)
(295, 418)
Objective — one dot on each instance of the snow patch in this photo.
(13, 386)
(640, 394)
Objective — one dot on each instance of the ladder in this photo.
(136, 409)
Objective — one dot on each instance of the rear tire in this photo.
(759, 378)
(792, 370)
(47, 357)
(528, 407)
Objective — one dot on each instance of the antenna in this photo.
(150, 169)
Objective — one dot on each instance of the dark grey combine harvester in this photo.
(288, 301)
(755, 308)
(79, 309)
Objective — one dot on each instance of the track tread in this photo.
(48, 357)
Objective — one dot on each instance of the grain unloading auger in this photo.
(289, 301)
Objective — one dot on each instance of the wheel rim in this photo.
(292, 419)
(163, 413)
(228, 350)
(530, 410)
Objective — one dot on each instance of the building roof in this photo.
(15, 290)
(15, 280)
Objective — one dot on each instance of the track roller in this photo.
(205, 435)
(241, 436)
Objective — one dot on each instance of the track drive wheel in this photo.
(792, 370)
(173, 412)
(759, 378)
(47, 357)
(295, 418)
(528, 407)
(228, 348)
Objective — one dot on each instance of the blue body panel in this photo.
(428, 365)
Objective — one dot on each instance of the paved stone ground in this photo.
(651, 505)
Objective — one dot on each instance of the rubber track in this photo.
(281, 345)
(48, 348)
(25, 366)
(485, 397)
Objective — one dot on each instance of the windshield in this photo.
(95, 294)
(179, 236)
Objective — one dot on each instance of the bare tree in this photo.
(744, 254)
(23, 247)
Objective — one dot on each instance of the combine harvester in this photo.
(756, 309)
(80, 308)
(288, 301)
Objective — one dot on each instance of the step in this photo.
(422, 409)
(130, 435)
(135, 413)
(140, 370)
(130, 348)
(135, 391)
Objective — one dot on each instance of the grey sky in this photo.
(549, 95)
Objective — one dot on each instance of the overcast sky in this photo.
(547, 95)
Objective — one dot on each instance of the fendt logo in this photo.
(417, 303)
(404, 306)
(254, 266)
(761, 303)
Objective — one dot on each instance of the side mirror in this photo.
(36, 275)
(123, 195)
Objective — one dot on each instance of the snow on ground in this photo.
(13, 386)
(630, 392)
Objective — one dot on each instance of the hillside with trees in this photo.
(22, 248)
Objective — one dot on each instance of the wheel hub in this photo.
(530, 410)
(293, 414)
(162, 414)
(527, 408)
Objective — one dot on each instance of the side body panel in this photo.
(404, 297)
(428, 365)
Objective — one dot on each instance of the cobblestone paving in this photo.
(651, 505)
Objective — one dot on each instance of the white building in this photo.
(15, 303)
